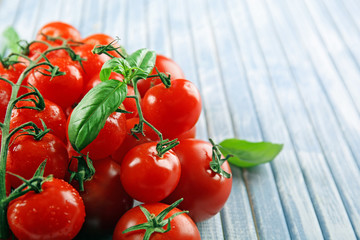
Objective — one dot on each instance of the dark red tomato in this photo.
(56, 213)
(58, 29)
(173, 110)
(182, 227)
(101, 39)
(7, 185)
(188, 134)
(93, 63)
(105, 198)
(25, 155)
(165, 65)
(52, 115)
(204, 191)
(109, 139)
(63, 90)
(146, 176)
(130, 141)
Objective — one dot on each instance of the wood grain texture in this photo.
(268, 70)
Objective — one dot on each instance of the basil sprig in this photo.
(249, 154)
(9, 41)
(90, 115)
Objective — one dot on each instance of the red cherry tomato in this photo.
(63, 90)
(12, 74)
(188, 134)
(56, 213)
(182, 227)
(173, 110)
(52, 115)
(7, 185)
(146, 176)
(58, 29)
(110, 137)
(204, 191)
(5, 94)
(105, 199)
(165, 65)
(93, 63)
(130, 141)
(101, 39)
(25, 155)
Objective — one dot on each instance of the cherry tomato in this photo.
(5, 94)
(101, 39)
(56, 213)
(173, 110)
(182, 227)
(110, 137)
(188, 134)
(52, 115)
(204, 191)
(12, 74)
(130, 141)
(58, 29)
(7, 185)
(165, 65)
(63, 90)
(146, 176)
(105, 199)
(93, 63)
(25, 155)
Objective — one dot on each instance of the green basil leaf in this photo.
(249, 154)
(9, 41)
(89, 117)
(118, 65)
(143, 61)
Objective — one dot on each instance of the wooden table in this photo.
(268, 70)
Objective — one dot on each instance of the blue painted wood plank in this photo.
(338, 17)
(136, 35)
(71, 12)
(114, 19)
(325, 124)
(8, 13)
(218, 118)
(353, 8)
(342, 59)
(92, 14)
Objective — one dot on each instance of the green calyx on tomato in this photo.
(156, 223)
(85, 170)
(217, 161)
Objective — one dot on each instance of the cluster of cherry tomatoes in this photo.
(127, 166)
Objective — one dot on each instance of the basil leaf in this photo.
(9, 41)
(118, 65)
(89, 117)
(143, 61)
(249, 154)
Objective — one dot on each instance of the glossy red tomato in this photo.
(58, 29)
(101, 39)
(105, 199)
(56, 213)
(52, 115)
(25, 155)
(63, 90)
(188, 134)
(146, 176)
(165, 65)
(204, 191)
(182, 227)
(173, 110)
(5, 94)
(110, 137)
(12, 74)
(130, 141)
(93, 63)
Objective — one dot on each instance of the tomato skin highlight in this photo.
(25, 155)
(147, 177)
(165, 65)
(173, 110)
(56, 213)
(204, 191)
(104, 198)
(52, 115)
(182, 227)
